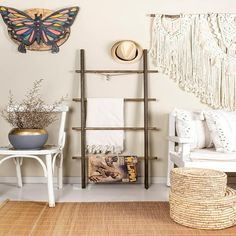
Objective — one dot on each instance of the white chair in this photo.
(49, 153)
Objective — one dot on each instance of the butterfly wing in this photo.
(56, 25)
(20, 25)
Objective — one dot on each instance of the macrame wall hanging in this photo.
(199, 52)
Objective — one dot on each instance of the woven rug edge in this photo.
(4, 203)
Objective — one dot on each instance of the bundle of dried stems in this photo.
(32, 112)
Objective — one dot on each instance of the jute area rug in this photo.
(94, 219)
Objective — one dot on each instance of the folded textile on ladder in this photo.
(105, 112)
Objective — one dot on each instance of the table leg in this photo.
(51, 198)
(18, 163)
(60, 172)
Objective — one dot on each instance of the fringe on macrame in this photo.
(191, 53)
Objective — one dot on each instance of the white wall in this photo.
(98, 25)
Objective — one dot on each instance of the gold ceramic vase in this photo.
(27, 138)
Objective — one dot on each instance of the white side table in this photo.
(49, 153)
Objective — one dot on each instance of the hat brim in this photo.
(139, 53)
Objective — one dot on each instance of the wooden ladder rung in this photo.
(116, 128)
(125, 99)
(139, 157)
(116, 71)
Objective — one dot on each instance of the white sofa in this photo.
(181, 154)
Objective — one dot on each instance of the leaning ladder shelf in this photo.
(145, 129)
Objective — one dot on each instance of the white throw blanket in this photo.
(105, 112)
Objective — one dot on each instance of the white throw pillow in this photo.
(192, 125)
(222, 126)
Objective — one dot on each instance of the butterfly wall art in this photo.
(39, 29)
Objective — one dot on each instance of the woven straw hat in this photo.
(126, 51)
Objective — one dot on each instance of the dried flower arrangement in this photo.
(32, 112)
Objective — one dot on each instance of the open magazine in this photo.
(111, 168)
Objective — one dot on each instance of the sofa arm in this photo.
(179, 140)
(184, 146)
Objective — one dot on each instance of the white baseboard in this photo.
(69, 180)
(77, 180)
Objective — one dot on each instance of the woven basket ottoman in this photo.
(200, 199)
(196, 182)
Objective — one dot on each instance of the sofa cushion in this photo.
(222, 126)
(210, 154)
(192, 125)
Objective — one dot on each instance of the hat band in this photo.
(122, 59)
